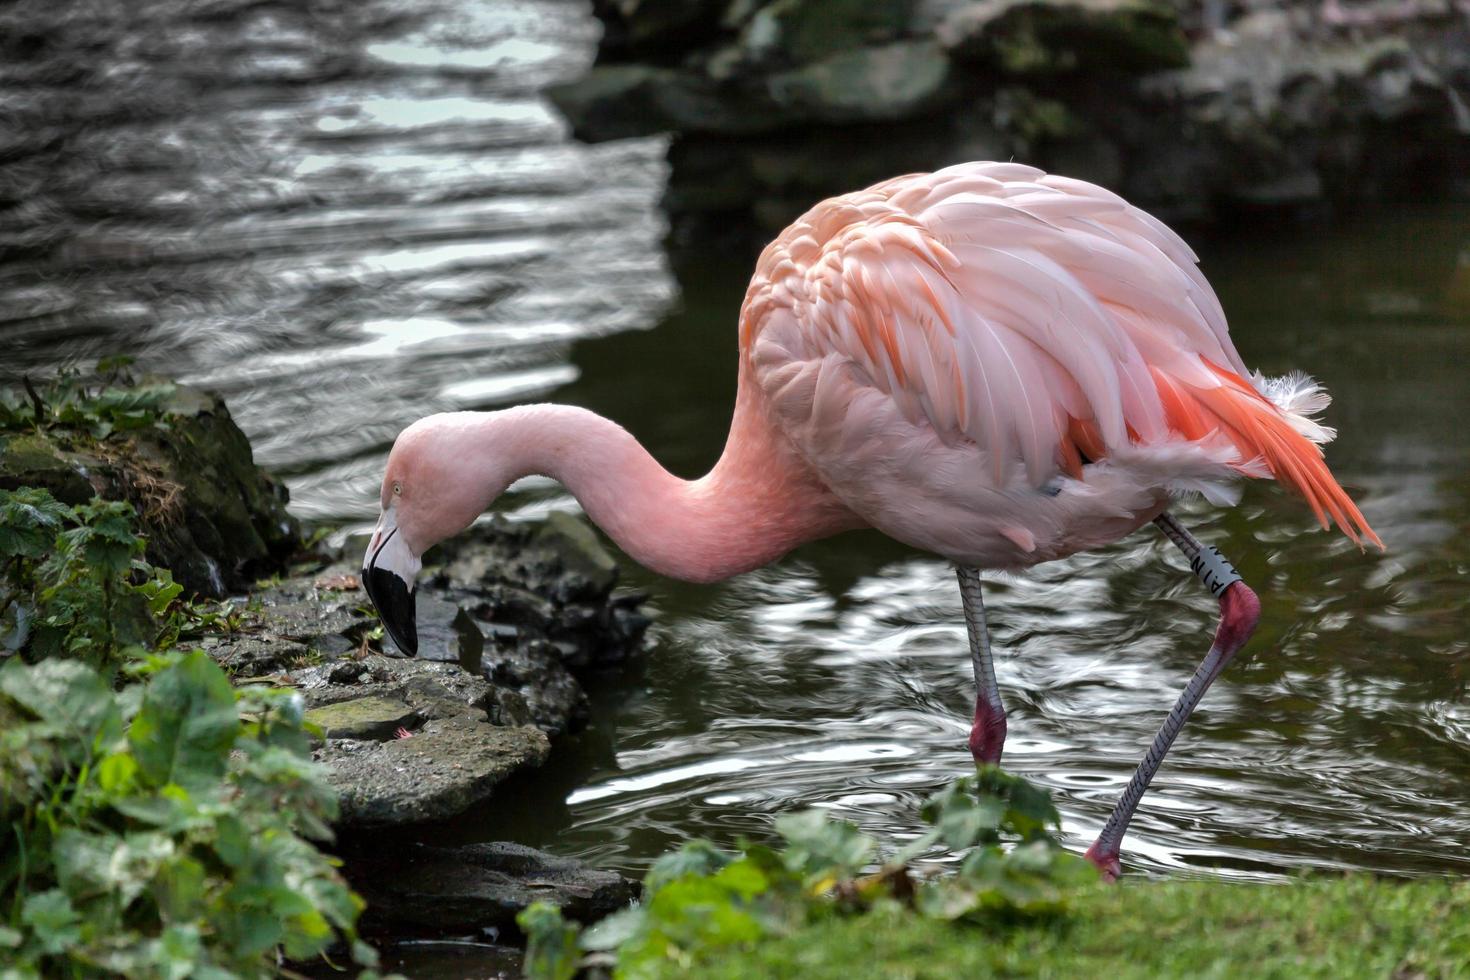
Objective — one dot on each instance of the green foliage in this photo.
(700, 900)
(553, 953)
(162, 832)
(160, 829)
(110, 401)
(67, 578)
(73, 583)
(1325, 928)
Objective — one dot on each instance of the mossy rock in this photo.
(1059, 37)
(889, 82)
(214, 519)
(801, 31)
(375, 719)
(620, 101)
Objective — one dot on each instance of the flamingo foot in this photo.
(1105, 859)
(987, 734)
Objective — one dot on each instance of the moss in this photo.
(806, 30)
(33, 460)
(1104, 37)
(210, 516)
(1342, 927)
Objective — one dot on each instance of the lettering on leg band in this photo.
(1214, 570)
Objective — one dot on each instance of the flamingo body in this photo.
(1005, 367)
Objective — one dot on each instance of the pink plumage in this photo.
(946, 350)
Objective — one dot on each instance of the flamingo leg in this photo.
(988, 732)
(1240, 609)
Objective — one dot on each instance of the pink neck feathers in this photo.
(758, 502)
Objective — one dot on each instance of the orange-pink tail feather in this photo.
(1261, 431)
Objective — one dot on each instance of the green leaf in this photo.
(817, 843)
(1029, 809)
(82, 861)
(961, 820)
(551, 943)
(117, 773)
(363, 954)
(53, 921)
(65, 693)
(697, 857)
(187, 724)
(29, 521)
(181, 892)
(615, 930)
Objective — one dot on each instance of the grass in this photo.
(1319, 927)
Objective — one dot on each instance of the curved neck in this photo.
(758, 502)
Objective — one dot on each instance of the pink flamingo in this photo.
(987, 362)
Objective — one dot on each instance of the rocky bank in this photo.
(508, 617)
(1194, 109)
(511, 618)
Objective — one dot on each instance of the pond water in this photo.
(347, 219)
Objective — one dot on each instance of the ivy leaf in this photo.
(187, 725)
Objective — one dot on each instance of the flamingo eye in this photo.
(397, 489)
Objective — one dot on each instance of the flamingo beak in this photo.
(388, 572)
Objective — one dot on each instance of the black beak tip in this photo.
(394, 601)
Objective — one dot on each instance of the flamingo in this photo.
(990, 363)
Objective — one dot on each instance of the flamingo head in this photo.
(442, 473)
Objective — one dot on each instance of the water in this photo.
(348, 218)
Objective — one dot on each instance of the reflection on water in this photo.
(348, 218)
(341, 216)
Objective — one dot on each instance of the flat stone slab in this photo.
(439, 772)
(433, 689)
(372, 718)
(479, 886)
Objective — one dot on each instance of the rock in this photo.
(1179, 107)
(655, 26)
(478, 886)
(1025, 37)
(883, 83)
(620, 101)
(800, 31)
(211, 517)
(589, 570)
(371, 718)
(35, 461)
(244, 656)
(447, 633)
(555, 582)
(488, 692)
(555, 701)
(300, 610)
(444, 769)
(434, 689)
